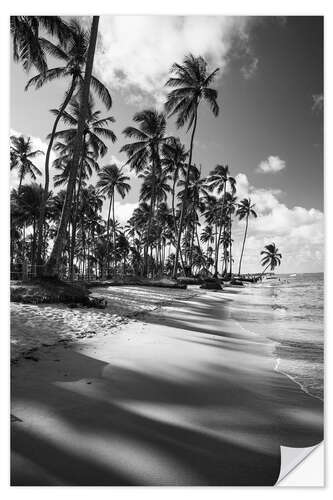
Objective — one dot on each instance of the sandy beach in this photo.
(181, 396)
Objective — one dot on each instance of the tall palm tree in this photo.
(21, 156)
(244, 211)
(146, 152)
(271, 257)
(112, 180)
(96, 127)
(219, 180)
(54, 259)
(72, 52)
(190, 82)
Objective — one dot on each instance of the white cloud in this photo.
(273, 164)
(317, 102)
(123, 211)
(298, 232)
(135, 53)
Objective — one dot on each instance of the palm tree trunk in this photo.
(218, 241)
(73, 239)
(230, 247)
(174, 219)
(20, 183)
(265, 270)
(151, 211)
(51, 267)
(107, 240)
(245, 234)
(114, 236)
(180, 228)
(41, 220)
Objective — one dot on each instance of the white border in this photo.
(234, 7)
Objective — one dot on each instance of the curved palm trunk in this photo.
(245, 234)
(41, 220)
(265, 270)
(174, 274)
(52, 265)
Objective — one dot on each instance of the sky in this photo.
(269, 129)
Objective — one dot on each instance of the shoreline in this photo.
(183, 382)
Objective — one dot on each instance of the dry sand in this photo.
(185, 397)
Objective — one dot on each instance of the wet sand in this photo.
(184, 397)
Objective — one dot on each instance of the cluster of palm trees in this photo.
(183, 221)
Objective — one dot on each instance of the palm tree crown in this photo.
(72, 52)
(271, 257)
(149, 137)
(112, 178)
(21, 156)
(190, 82)
(245, 209)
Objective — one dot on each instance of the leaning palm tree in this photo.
(244, 211)
(146, 152)
(54, 259)
(271, 257)
(190, 82)
(112, 180)
(21, 156)
(72, 52)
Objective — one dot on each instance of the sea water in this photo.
(289, 311)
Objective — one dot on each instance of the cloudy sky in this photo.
(270, 126)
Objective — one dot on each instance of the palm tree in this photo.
(174, 158)
(96, 127)
(190, 83)
(54, 259)
(73, 53)
(146, 151)
(95, 131)
(245, 210)
(27, 44)
(271, 257)
(26, 211)
(112, 180)
(219, 180)
(21, 156)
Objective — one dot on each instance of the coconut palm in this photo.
(146, 152)
(271, 257)
(174, 158)
(72, 52)
(244, 211)
(190, 82)
(219, 180)
(96, 127)
(112, 180)
(21, 156)
(27, 43)
(54, 259)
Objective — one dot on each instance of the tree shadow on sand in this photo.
(90, 422)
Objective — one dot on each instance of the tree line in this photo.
(183, 222)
